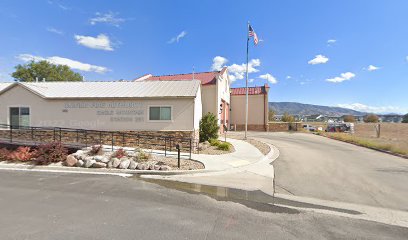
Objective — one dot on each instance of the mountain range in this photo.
(295, 108)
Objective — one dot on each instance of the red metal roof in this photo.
(251, 90)
(206, 78)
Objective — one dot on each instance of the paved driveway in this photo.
(80, 206)
(314, 166)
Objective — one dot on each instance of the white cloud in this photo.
(177, 38)
(236, 71)
(58, 4)
(372, 68)
(64, 61)
(343, 77)
(319, 59)
(109, 18)
(288, 77)
(331, 42)
(101, 42)
(251, 80)
(406, 58)
(269, 77)
(218, 63)
(374, 109)
(54, 30)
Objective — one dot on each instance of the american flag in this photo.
(252, 33)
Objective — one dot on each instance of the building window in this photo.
(160, 113)
(19, 116)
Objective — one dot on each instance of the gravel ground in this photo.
(261, 146)
(172, 162)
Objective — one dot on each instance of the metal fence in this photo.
(80, 138)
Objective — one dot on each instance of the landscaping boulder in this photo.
(99, 165)
(141, 166)
(71, 161)
(101, 159)
(124, 163)
(204, 145)
(80, 163)
(115, 162)
(88, 158)
(98, 158)
(132, 165)
(165, 168)
(80, 154)
(131, 153)
(156, 167)
(88, 163)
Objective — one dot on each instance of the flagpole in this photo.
(246, 84)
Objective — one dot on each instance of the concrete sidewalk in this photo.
(246, 168)
(244, 154)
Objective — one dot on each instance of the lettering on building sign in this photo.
(115, 111)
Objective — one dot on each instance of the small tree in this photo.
(371, 118)
(288, 118)
(271, 115)
(208, 127)
(405, 119)
(349, 118)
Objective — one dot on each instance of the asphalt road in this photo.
(318, 167)
(74, 206)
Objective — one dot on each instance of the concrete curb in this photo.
(98, 170)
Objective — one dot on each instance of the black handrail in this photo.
(127, 138)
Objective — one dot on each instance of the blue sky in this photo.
(364, 66)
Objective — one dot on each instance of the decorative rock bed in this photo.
(133, 160)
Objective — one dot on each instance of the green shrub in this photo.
(224, 146)
(214, 142)
(143, 156)
(405, 119)
(208, 127)
(51, 153)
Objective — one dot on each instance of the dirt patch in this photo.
(212, 150)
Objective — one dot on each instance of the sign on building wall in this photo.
(115, 111)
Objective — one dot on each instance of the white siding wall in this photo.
(198, 110)
(55, 113)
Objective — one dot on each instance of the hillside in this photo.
(294, 108)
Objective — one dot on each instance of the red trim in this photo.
(251, 90)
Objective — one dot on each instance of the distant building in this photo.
(391, 118)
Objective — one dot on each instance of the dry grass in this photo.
(393, 137)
